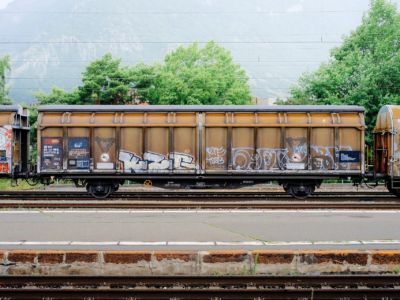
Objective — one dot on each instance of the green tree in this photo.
(105, 82)
(364, 70)
(58, 96)
(4, 68)
(142, 82)
(194, 75)
(190, 75)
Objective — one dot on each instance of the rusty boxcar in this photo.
(14, 140)
(102, 146)
(387, 147)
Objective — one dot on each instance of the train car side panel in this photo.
(387, 147)
(6, 151)
(216, 146)
(105, 145)
(14, 141)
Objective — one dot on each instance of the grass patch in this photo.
(20, 185)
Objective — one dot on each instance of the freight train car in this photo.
(387, 147)
(14, 140)
(102, 146)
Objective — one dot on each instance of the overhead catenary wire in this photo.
(149, 12)
(171, 42)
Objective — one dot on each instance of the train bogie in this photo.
(105, 145)
(14, 141)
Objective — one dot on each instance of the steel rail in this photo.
(196, 191)
(26, 195)
(202, 205)
(200, 200)
(201, 287)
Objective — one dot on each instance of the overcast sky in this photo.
(3, 3)
(274, 41)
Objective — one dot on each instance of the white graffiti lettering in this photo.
(322, 158)
(131, 161)
(263, 159)
(215, 156)
(156, 161)
(183, 161)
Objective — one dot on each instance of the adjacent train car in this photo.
(102, 146)
(387, 147)
(14, 140)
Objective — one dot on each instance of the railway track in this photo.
(363, 287)
(184, 194)
(199, 200)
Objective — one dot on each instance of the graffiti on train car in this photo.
(322, 157)
(215, 156)
(105, 145)
(131, 161)
(297, 148)
(183, 161)
(244, 158)
(5, 148)
(294, 157)
(156, 161)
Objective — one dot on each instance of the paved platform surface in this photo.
(211, 229)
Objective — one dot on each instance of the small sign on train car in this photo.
(52, 153)
(349, 156)
(78, 153)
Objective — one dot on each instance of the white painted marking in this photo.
(337, 243)
(125, 243)
(375, 242)
(194, 243)
(58, 243)
(10, 243)
(299, 243)
(94, 243)
(191, 243)
(248, 243)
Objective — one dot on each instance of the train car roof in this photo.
(388, 118)
(10, 107)
(201, 108)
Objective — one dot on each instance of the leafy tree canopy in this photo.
(4, 68)
(364, 70)
(58, 96)
(105, 82)
(195, 75)
(189, 75)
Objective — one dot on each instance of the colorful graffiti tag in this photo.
(155, 161)
(215, 156)
(294, 157)
(5, 148)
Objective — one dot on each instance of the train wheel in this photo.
(100, 190)
(300, 190)
(395, 192)
(392, 190)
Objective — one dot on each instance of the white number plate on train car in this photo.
(295, 166)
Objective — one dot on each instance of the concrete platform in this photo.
(199, 230)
